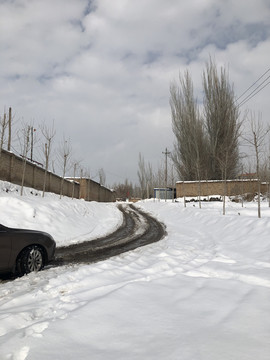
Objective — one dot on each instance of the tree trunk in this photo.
(9, 129)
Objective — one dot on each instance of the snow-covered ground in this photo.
(203, 292)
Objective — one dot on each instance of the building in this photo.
(164, 193)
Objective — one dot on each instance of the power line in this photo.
(243, 102)
(253, 84)
(254, 92)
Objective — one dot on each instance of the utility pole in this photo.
(166, 153)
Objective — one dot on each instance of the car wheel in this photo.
(30, 259)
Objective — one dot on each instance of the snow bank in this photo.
(68, 220)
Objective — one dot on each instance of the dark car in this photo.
(23, 251)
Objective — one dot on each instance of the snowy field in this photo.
(201, 293)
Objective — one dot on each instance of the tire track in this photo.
(138, 229)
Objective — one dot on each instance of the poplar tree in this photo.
(222, 123)
(206, 145)
(191, 146)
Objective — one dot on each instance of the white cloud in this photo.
(102, 69)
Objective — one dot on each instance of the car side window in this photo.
(2, 228)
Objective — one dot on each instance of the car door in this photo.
(5, 248)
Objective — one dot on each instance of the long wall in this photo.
(91, 190)
(11, 169)
(233, 187)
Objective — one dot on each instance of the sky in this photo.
(101, 70)
(201, 292)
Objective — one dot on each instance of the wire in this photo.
(258, 89)
(253, 84)
(254, 94)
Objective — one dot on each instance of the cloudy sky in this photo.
(101, 69)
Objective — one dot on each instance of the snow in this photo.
(69, 221)
(203, 292)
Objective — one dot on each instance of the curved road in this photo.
(138, 229)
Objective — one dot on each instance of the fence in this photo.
(11, 169)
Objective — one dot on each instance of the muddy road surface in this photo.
(138, 229)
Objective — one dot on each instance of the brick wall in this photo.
(11, 169)
(91, 190)
(233, 187)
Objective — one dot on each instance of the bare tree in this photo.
(142, 175)
(9, 128)
(88, 188)
(150, 180)
(265, 174)
(123, 191)
(75, 168)
(3, 124)
(147, 178)
(6, 124)
(171, 175)
(26, 147)
(64, 153)
(48, 133)
(102, 176)
(160, 175)
(257, 140)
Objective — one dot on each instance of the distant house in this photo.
(164, 193)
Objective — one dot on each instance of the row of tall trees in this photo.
(208, 134)
(126, 190)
